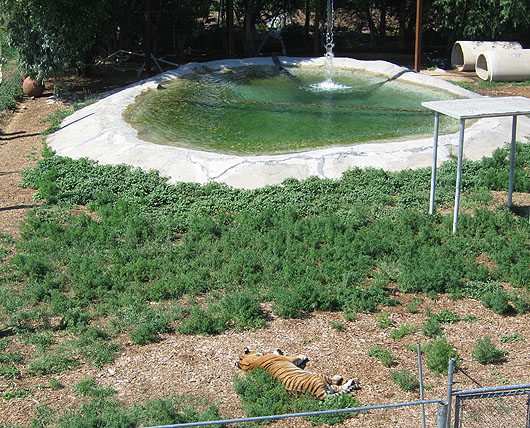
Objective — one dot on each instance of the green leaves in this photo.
(333, 245)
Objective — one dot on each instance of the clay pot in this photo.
(32, 88)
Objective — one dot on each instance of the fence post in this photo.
(449, 390)
(421, 387)
(442, 415)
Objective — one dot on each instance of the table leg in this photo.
(512, 161)
(459, 173)
(434, 156)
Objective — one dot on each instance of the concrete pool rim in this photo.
(99, 132)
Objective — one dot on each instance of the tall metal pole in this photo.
(450, 373)
(421, 387)
(417, 50)
(512, 160)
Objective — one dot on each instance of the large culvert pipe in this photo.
(508, 65)
(464, 53)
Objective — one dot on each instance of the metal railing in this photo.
(441, 420)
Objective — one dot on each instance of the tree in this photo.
(58, 35)
(483, 19)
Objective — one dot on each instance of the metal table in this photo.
(474, 108)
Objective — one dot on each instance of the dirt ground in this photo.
(204, 366)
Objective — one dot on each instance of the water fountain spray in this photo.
(329, 42)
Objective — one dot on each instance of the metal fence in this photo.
(499, 407)
(441, 417)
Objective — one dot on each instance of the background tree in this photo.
(482, 19)
(54, 36)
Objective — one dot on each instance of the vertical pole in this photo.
(417, 50)
(434, 158)
(449, 390)
(442, 415)
(421, 387)
(512, 161)
(459, 173)
(458, 411)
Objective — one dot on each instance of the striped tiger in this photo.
(290, 371)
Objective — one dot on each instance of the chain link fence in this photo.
(499, 407)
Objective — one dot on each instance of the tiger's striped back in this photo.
(287, 369)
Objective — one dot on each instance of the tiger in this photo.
(290, 370)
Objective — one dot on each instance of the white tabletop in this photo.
(475, 108)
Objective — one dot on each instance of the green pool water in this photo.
(262, 109)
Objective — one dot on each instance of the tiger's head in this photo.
(247, 361)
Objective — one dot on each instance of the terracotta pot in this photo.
(32, 88)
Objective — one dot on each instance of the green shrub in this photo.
(406, 380)
(512, 337)
(344, 401)
(99, 352)
(52, 363)
(338, 325)
(89, 388)
(201, 321)
(104, 410)
(150, 325)
(438, 355)
(447, 317)
(486, 352)
(383, 354)
(402, 331)
(242, 310)
(497, 300)
(384, 320)
(431, 327)
(261, 395)
(520, 302)
(11, 91)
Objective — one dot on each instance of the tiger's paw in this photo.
(350, 386)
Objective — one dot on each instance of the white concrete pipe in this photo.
(504, 65)
(464, 53)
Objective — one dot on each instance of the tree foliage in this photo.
(65, 34)
(58, 35)
(482, 19)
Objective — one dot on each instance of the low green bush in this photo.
(106, 411)
(201, 321)
(150, 325)
(11, 91)
(9, 364)
(512, 338)
(497, 300)
(89, 388)
(447, 317)
(431, 327)
(52, 363)
(404, 330)
(438, 353)
(486, 352)
(383, 355)
(406, 380)
(112, 243)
